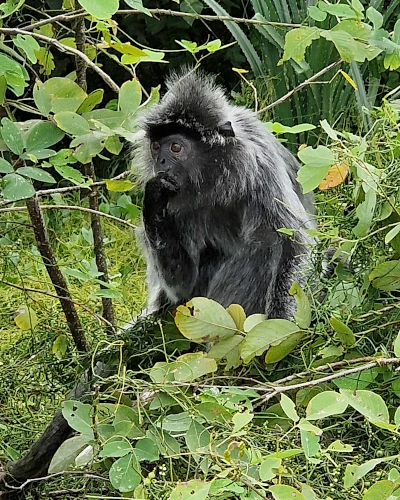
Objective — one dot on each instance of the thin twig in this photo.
(64, 48)
(299, 87)
(71, 207)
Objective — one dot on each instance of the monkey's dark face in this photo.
(170, 152)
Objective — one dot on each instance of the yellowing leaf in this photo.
(25, 318)
(119, 186)
(240, 71)
(336, 175)
(349, 79)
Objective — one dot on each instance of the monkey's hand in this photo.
(157, 193)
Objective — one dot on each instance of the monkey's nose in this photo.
(162, 161)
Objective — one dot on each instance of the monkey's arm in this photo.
(169, 258)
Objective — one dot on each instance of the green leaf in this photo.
(191, 490)
(268, 468)
(204, 320)
(42, 98)
(289, 408)
(224, 347)
(42, 135)
(60, 346)
(130, 96)
(392, 233)
(325, 404)
(100, 9)
(37, 174)
(375, 16)
(350, 49)
(65, 94)
(238, 315)
(213, 412)
(16, 187)
(354, 473)
(125, 473)
(25, 318)
(15, 74)
(5, 167)
(338, 447)
(303, 313)
(3, 89)
(252, 321)
(278, 128)
(381, 490)
(309, 443)
(386, 276)
(28, 45)
(90, 145)
(120, 186)
(66, 454)
(365, 213)
(240, 420)
(38, 154)
(197, 438)
(367, 403)
(72, 123)
(296, 42)
(192, 366)
(12, 136)
(277, 352)
(115, 449)
(316, 13)
(8, 7)
(138, 5)
(339, 9)
(321, 156)
(78, 416)
(266, 333)
(71, 174)
(146, 450)
(397, 346)
(284, 492)
(343, 332)
(91, 101)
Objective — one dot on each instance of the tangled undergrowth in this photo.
(319, 420)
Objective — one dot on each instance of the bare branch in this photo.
(64, 48)
(71, 207)
(299, 87)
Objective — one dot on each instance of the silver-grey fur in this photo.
(219, 237)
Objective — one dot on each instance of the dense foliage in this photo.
(301, 409)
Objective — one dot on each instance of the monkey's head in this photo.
(187, 129)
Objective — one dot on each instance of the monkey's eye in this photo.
(155, 146)
(175, 147)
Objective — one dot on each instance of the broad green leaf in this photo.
(197, 438)
(72, 123)
(289, 408)
(71, 174)
(42, 135)
(91, 101)
(130, 96)
(368, 403)
(386, 276)
(350, 49)
(354, 473)
(125, 473)
(381, 490)
(65, 94)
(240, 420)
(15, 74)
(309, 443)
(238, 315)
(266, 333)
(192, 366)
(60, 346)
(38, 154)
(365, 213)
(221, 349)
(268, 468)
(361, 381)
(303, 313)
(78, 416)
(375, 16)
(296, 42)
(108, 117)
(191, 490)
(25, 318)
(119, 186)
(339, 9)
(284, 492)
(316, 13)
(397, 346)
(307, 426)
(252, 321)
(175, 423)
(338, 447)
(397, 417)
(278, 128)
(113, 144)
(17, 187)
(42, 98)
(321, 156)
(5, 167)
(3, 89)
(138, 5)
(28, 45)
(100, 9)
(213, 412)
(89, 145)
(311, 177)
(392, 233)
(204, 320)
(8, 7)
(12, 136)
(325, 404)
(277, 352)
(343, 332)
(146, 450)
(65, 456)
(115, 449)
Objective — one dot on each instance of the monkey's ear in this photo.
(226, 129)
